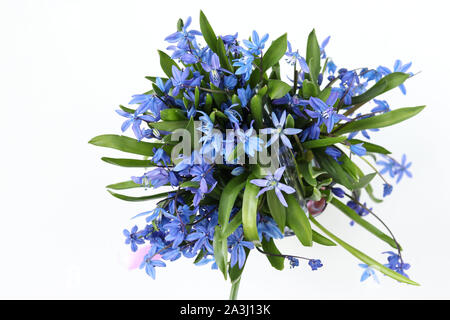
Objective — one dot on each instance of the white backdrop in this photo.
(66, 65)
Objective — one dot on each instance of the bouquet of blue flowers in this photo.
(245, 158)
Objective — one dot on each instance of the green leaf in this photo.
(137, 199)
(129, 163)
(370, 147)
(256, 110)
(363, 257)
(290, 122)
(172, 115)
(127, 144)
(270, 247)
(233, 225)
(307, 173)
(124, 185)
(320, 239)
(309, 89)
(364, 181)
(313, 56)
(169, 126)
(380, 121)
(323, 142)
(363, 222)
(275, 52)
(249, 208)
(220, 246)
(386, 83)
(208, 32)
(228, 197)
(334, 169)
(277, 210)
(224, 62)
(166, 63)
(277, 88)
(297, 220)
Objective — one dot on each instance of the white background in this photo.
(65, 67)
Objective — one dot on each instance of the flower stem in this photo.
(235, 289)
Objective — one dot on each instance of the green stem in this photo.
(235, 289)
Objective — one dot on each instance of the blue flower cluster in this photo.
(220, 199)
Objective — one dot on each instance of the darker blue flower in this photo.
(387, 189)
(150, 262)
(315, 264)
(237, 244)
(333, 152)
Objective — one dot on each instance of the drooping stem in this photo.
(234, 289)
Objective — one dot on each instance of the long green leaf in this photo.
(386, 83)
(313, 56)
(249, 208)
(233, 225)
(277, 210)
(220, 246)
(169, 126)
(363, 223)
(297, 220)
(323, 142)
(334, 169)
(320, 239)
(275, 52)
(124, 185)
(166, 63)
(364, 181)
(363, 257)
(208, 32)
(137, 199)
(228, 197)
(256, 110)
(127, 144)
(225, 63)
(129, 163)
(384, 120)
(270, 247)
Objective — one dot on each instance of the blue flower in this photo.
(389, 166)
(387, 189)
(245, 95)
(272, 182)
(382, 106)
(213, 67)
(134, 120)
(333, 152)
(311, 133)
(212, 139)
(237, 244)
(368, 272)
(398, 67)
(324, 111)
(338, 192)
(149, 263)
(245, 64)
(358, 149)
(278, 132)
(133, 238)
(160, 157)
(203, 174)
(396, 263)
(184, 36)
(234, 116)
(315, 264)
(323, 55)
(402, 168)
(293, 262)
(293, 57)
(268, 228)
(179, 79)
(360, 210)
(256, 44)
(203, 235)
(230, 82)
(249, 140)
